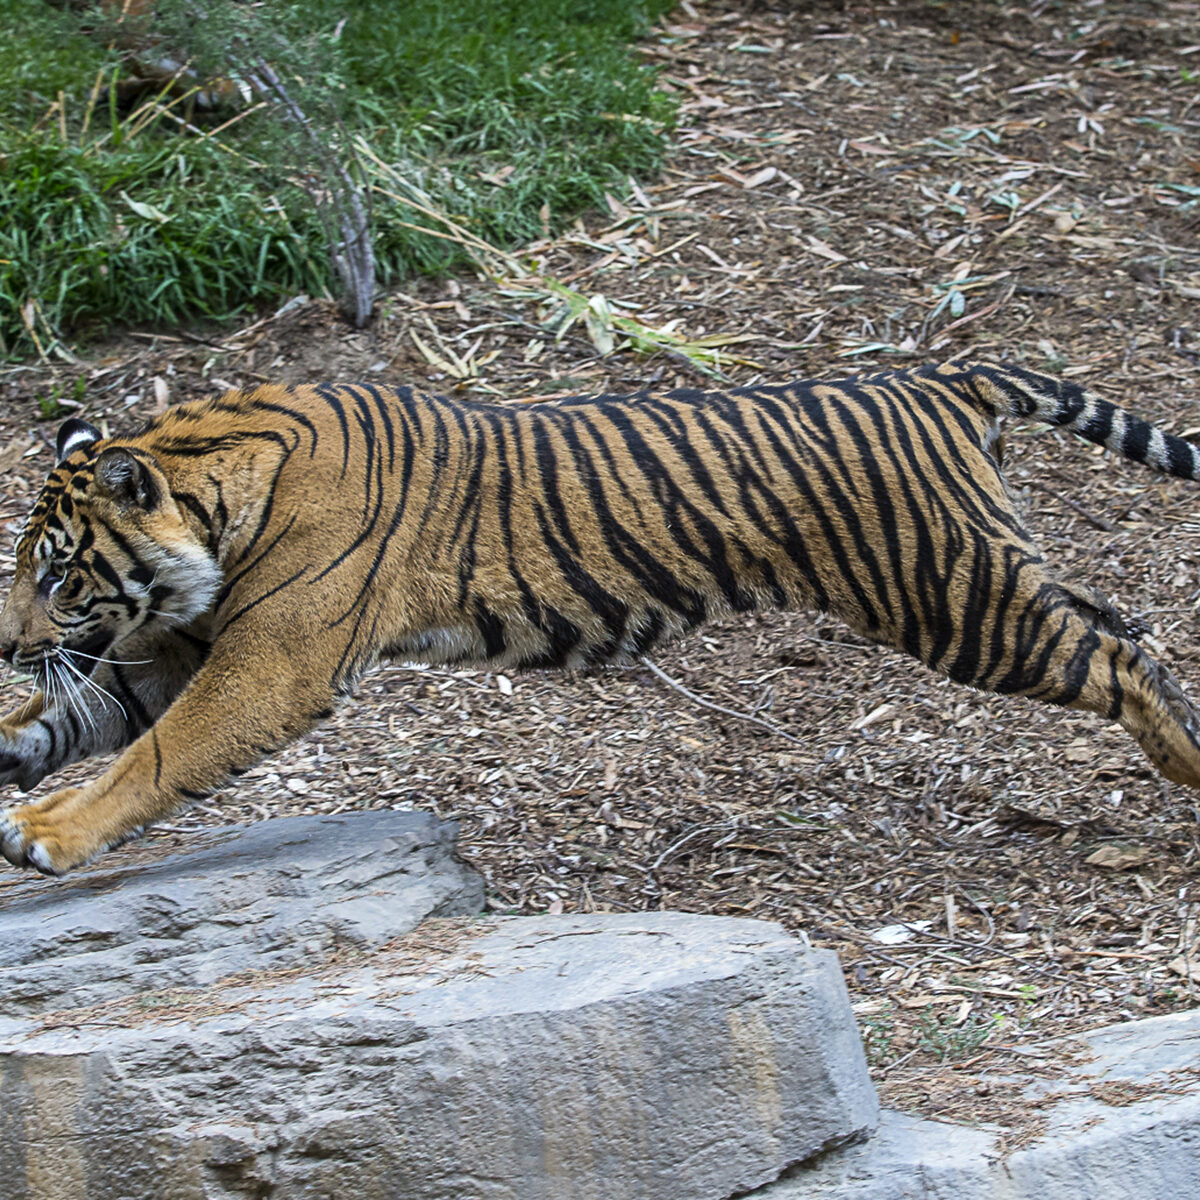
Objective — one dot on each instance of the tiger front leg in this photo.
(242, 704)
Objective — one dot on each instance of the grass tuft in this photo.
(511, 114)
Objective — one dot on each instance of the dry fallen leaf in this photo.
(876, 714)
(761, 177)
(895, 935)
(1117, 857)
(1188, 968)
(12, 453)
(825, 250)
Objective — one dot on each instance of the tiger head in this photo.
(107, 553)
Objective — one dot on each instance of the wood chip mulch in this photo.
(993, 874)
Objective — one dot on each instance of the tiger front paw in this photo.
(22, 757)
(48, 836)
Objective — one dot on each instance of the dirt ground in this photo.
(839, 176)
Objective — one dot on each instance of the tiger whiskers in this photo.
(119, 662)
(74, 697)
(103, 693)
(47, 680)
(68, 690)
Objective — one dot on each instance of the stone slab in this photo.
(187, 910)
(610, 1057)
(1122, 1124)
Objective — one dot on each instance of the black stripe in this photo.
(330, 396)
(232, 580)
(491, 629)
(386, 417)
(651, 573)
(137, 718)
(241, 612)
(292, 414)
(1099, 427)
(1181, 458)
(1136, 441)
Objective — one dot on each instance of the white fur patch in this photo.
(40, 857)
(82, 436)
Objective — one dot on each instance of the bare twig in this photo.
(353, 255)
(655, 669)
(1094, 521)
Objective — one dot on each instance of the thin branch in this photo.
(1090, 518)
(353, 256)
(655, 669)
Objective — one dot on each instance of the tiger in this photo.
(203, 592)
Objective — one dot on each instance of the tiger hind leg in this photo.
(1070, 647)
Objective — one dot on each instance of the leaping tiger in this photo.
(199, 594)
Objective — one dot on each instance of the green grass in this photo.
(504, 114)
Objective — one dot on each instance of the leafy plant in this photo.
(54, 405)
(878, 1033)
(949, 1041)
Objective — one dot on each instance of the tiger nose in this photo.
(8, 635)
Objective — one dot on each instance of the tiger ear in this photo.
(126, 479)
(75, 435)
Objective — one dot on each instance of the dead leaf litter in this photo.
(849, 188)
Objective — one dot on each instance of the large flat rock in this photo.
(239, 898)
(1122, 1122)
(609, 1057)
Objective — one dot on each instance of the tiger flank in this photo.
(200, 594)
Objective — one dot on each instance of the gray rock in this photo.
(239, 898)
(1122, 1124)
(655, 1057)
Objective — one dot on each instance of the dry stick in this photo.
(460, 234)
(655, 669)
(490, 260)
(899, 1062)
(679, 843)
(966, 945)
(356, 261)
(1187, 934)
(1090, 518)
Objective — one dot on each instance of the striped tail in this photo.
(1057, 401)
